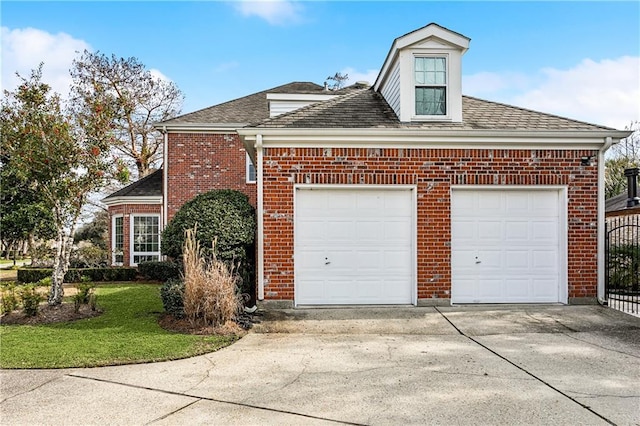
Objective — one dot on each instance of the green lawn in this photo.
(127, 332)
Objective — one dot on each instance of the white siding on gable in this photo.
(391, 89)
(281, 107)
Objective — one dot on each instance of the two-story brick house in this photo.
(405, 192)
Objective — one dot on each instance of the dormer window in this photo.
(430, 75)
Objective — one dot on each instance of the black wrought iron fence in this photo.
(622, 280)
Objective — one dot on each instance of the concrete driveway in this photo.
(474, 365)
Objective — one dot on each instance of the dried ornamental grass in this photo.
(210, 294)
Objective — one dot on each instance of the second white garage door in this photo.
(353, 246)
(506, 246)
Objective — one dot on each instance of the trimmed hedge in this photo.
(32, 275)
(224, 216)
(159, 271)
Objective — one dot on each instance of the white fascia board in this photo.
(298, 97)
(405, 138)
(115, 201)
(200, 127)
(454, 39)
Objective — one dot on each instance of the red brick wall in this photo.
(433, 171)
(126, 210)
(199, 162)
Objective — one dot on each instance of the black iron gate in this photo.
(622, 280)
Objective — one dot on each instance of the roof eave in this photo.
(198, 127)
(132, 199)
(422, 132)
(433, 138)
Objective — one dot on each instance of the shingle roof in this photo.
(248, 109)
(363, 108)
(148, 186)
(613, 204)
(619, 203)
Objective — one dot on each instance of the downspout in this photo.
(165, 174)
(601, 219)
(165, 179)
(259, 213)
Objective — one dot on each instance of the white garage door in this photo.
(505, 246)
(353, 246)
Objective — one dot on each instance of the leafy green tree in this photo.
(24, 213)
(137, 98)
(95, 231)
(623, 155)
(63, 156)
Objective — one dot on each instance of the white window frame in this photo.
(133, 253)
(249, 165)
(113, 239)
(446, 86)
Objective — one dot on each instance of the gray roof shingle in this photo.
(249, 109)
(365, 108)
(148, 186)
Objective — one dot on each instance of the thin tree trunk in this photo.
(57, 277)
(63, 253)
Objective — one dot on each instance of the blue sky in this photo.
(576, 59)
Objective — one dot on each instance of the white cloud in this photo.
(275, 12)
(158, 75)
(226, 66)
(604, 92)
(356, 76)
(25, 48)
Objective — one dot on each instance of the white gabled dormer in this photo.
(421, 78)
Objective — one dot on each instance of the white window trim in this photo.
(248, 164)
(447, 88)
(113, 239)
(131, 235)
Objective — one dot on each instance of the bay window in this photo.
(145, 239)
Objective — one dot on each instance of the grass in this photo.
(127, 332)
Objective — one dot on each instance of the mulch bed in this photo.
(50, 314)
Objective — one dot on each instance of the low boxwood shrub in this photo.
(159, 271)
(8, 297)
(33, 275)
(172, 294)
(31, 299)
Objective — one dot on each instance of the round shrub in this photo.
(224, 216)
(172, 294)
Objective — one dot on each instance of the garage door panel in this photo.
(368, 230)
(367, 239)
(337, 230)
(397, 229)
(396, 261)
(489, 204)
(490, 230)
(517, 259)
(543, 288)
(465, 229)
(545, 230)
(368, 261)
(515, 236)
(517, 230)
(310, 230)
(489, 259)
(544, 260)
(490, 288)
(517, 289)
(310, 258)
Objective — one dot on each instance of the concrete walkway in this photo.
(481, 365)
